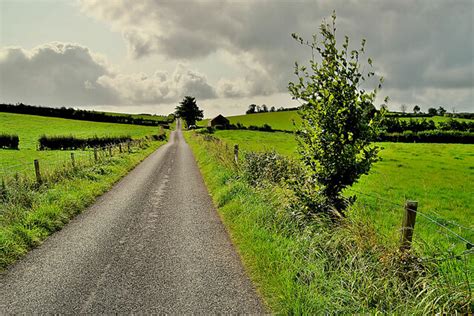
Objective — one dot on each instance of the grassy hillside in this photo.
(439, 176)
(277, 120)
(284, 120)
(30, 127)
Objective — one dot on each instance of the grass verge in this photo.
(322, 268)
(32, 213)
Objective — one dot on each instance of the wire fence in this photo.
(424, 215)
(55, 163)
(427, 215)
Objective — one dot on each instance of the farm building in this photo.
(218, 121)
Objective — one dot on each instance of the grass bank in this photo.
(30, 213)
(322, 268)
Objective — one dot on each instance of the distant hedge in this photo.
(76, 114)
(9, 141)
(158, 137)
(71, 142)
(395, 125)
(433, 136)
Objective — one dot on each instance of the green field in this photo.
(30, 127)
(438, 176)
(284, 120)
(277, 120)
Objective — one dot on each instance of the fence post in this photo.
(37, 171)
(73, 160)
(128, 146)
(3, 189)
(408, 224)
(95, 154)
(120, 147)
(236, 153)
(110, 150)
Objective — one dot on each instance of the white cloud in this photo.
(160, 87)
(70, 74)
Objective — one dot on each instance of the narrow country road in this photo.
(153, 244)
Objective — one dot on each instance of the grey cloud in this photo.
(55, 73)
(415, 44)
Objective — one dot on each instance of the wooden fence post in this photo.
(236, 153)
(37, 171)
(110, 150)
(3, 189)
(73, 161)
(120, 147)
(128, 146)
(95, 154)
(408, 224)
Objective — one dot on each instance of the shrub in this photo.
(456, 125)
(159, 137)
(71, 142)
(264, 128)
(9, 141)
(268, 166)
(339, 120)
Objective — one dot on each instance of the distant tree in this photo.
(264, 108)
(416, 109)
(441, 111)
(384, 107)
(432, 111)
(403, 108)
(189, 111)
(272, 109)
(338, 120)
(251, 109)
(259, 109)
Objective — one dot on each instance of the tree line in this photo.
(86, 115)
(254, 108)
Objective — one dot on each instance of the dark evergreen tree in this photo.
(189, 111)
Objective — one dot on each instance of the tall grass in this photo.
(322, 267)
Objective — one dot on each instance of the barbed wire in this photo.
(418, 212)
(443, 226)
(452, 222)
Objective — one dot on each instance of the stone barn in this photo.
(218, 121)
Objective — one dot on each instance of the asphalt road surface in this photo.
(153, 244)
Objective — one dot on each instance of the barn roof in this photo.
(220, 117)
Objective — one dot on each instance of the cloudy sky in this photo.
(146, 55)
